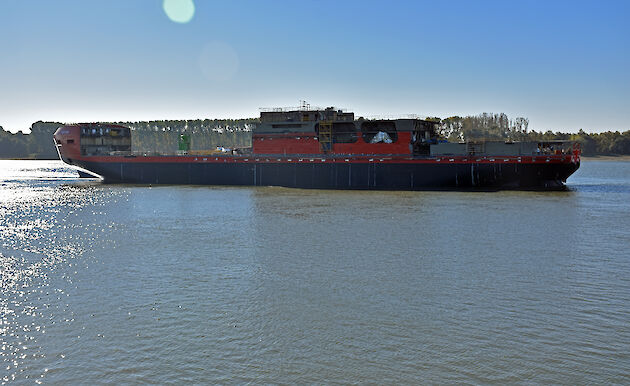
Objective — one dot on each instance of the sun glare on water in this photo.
(179, 11)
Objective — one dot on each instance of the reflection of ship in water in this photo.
(327, 149)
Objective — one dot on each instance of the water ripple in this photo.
(124, 284)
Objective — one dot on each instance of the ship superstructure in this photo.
(327, 149)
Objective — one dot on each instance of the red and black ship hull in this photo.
(394, 173)
(325, 155)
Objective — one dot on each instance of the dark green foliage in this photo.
(38, 144)
(12, 145)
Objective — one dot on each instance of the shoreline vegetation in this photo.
(162, 136)
(624, 158)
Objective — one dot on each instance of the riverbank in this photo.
(29, 159)
(606, 158)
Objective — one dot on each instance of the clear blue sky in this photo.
(563, 64)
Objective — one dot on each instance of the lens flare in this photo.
(179, 11)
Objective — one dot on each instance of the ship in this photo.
(327, 148)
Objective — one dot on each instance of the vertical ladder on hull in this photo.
(325, 136)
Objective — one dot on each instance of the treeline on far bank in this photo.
(147, 136)
(162, 136)
(499, 127)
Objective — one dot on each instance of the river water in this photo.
(138, 284)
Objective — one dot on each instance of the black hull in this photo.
(377, 176)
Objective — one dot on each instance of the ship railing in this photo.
(153, 153)
(558, 147)
(139, 153)
(390, 117)
(297, 108)
(551, 147)
(288, 109)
